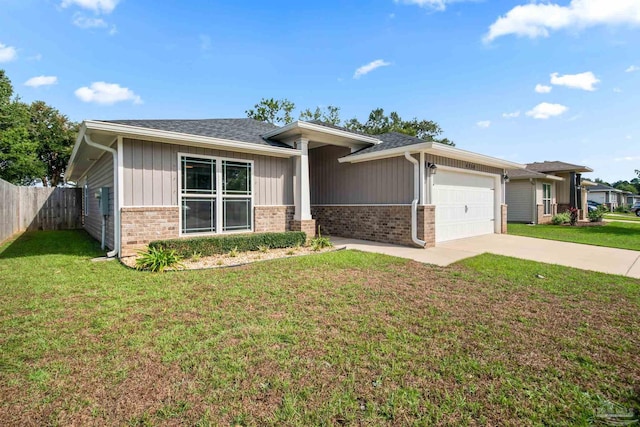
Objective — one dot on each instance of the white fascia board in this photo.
(74, 152)
(437, 149)
(186, 139)
(383, 154)
(300, 124)
(553, 178)
(444, 150)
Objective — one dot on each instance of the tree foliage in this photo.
(379, 123)
(35, 140)
(280, 112)
(276, 111)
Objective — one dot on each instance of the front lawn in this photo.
(622, 216)
(332, 339)
(613, 234)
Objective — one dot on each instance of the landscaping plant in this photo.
(320, 242)
(596, 215)
(158, 260)
(573, 215)
(561, 218)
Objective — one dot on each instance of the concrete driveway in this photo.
(586, 257)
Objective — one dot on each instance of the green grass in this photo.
(614, 234)
(622, 216)
(338, 338)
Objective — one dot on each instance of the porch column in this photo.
(302, 195)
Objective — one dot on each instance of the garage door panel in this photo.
(464, 205)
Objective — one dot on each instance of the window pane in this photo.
(198, 215)
(237, 214)
(237, 177)
(198, 175)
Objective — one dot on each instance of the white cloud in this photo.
(632, 69)
(584, 81)
(36, 57)
(538, 19)
(431, 4)
(511, 115)
(543, 89)
(483, 124)
(82, 21)
(41, 81)
(97, 6)
(7, 53)
(627, 159)
(113, 31)
(545, 110)
(366, 69)
(617, 90)
(107, 94)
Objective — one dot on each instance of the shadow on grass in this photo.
(37, 243)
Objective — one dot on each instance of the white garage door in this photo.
(464, 205)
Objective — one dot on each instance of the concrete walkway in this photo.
(586, 257)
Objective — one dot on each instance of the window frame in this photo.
(547, 199)
(219, 195)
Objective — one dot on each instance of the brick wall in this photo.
(308, 226)
(387, 224)
(503, 223)
(546, 219)
(427, 225)
(144, 224)
(272, 218)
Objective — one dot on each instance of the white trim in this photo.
(120, 194)
(303, 192)
(437, 149)
(149, 206)
(275, 206)
(218, 196)
(300, 124)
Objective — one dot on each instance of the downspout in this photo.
(414, 203)
(116, 216)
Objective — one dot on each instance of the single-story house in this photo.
(145, 180)
(633, 199)
(543, 189)
(607, 195)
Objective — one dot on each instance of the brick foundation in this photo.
(272, 218)
(307, 225)
(387, 224)
(427, 225)
(144, 224)
(503, 222)
(546, 219)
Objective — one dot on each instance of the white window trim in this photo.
(218, 197)
(550, 199)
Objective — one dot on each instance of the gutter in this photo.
(414, 203)
(116, 207)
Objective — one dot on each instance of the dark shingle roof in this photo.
(391, 140)
(332, 126)
(524, 174)
(243, 130)
(602, 187)
(554, 166)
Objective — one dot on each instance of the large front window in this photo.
(546, 198)
(215, 195)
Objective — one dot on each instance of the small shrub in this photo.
(320, 242)
(573, 215)
(291, 252)
(561, 218)
(623, 209)
(196, 256)
(219, 245)
(596, 215)
(158, 260)
(233, 252)
(263, 248)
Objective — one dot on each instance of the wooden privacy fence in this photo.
(34, 208)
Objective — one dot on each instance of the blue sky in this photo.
(472, 66)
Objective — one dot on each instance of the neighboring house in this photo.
(607, 195)
(543, 189)
(633, 199)
(180, 178)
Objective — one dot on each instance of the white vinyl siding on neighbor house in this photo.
(546, 198)
(216, 194)
(519, 199)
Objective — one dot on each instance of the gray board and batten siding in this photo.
(99, 175)
(151, 174)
